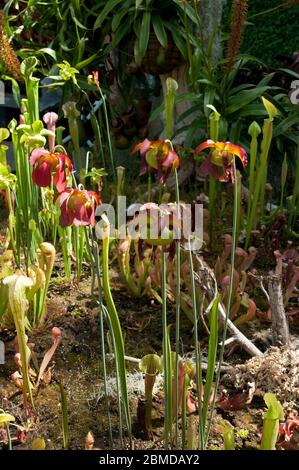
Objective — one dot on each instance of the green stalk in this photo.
(254, 131)
(94, 262)
(28, 66)
(184, 411)
(238, 176)
(171, 88)
(197, 351)
(177, 311)
(65, 236)
(118, 385)
(79, 250)
(108, 132)
(9, 441)
(214, 120)
(295, 195)
(229, 299)
(261, 177)
(166, 361)
(212, 354)
(149, 188)
(283, 179)
(64, 417)
(18, 303)
(116, 327)
(11, 226)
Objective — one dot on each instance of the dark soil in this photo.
(77, 365)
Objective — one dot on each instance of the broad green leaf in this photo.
(160, 30)
(110, 6)
(142, 38)
(4, 134)
(209, 97)
(188, 9)
(178, 38)
(120, 34)
(243, 98)
(266, 79)
(48, 51)
(290, 121)
(15, 89)
(86, 62)
(237, 89)
(117, 18)
(254, 109)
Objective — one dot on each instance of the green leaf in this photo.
(266, 79)
(110, 6)
(178, 38)
(119, 35)
(255, 109)
(289, 72)
(243, 98)
(212, 355)
(48, 51)
(64, 417)
(160, 30)
(239, 88)
(4, 134)
(116, 329)
(86, 62)
(117, 18)
(208, 99)
(142, 38)
(15, 89)
(188, 9)
(76, 21)
(290, 121)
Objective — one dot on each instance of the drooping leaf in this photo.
(110, 6)
(160, 30)
(142, 38)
